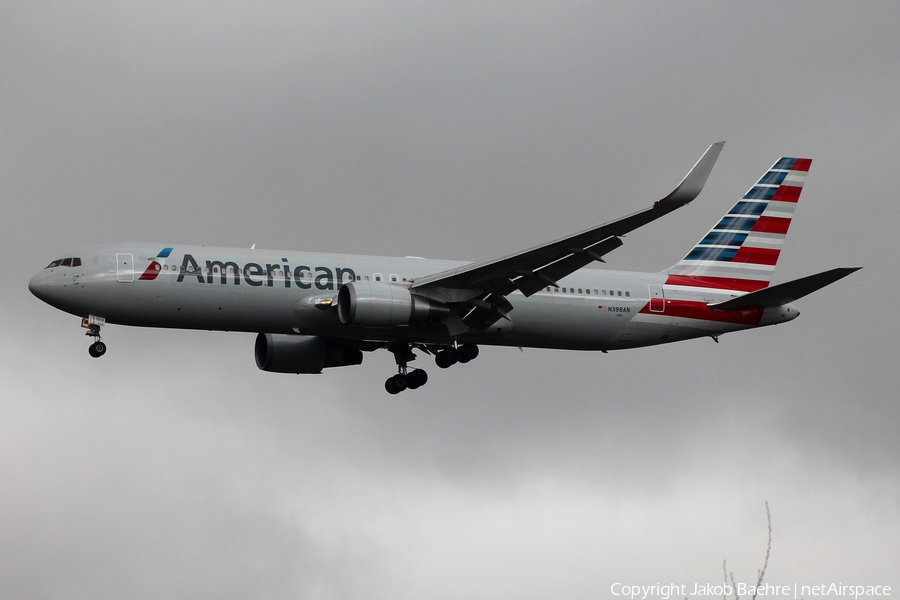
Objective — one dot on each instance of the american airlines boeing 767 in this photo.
(312, 311)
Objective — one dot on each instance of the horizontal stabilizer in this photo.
(785, 293)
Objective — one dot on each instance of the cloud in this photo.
(172, 466)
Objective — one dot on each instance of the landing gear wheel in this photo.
(416, 379)
(396, 384)
(467, 352)
(391, 387)
(446, 358)
(97, 349)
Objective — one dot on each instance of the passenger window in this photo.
(556, 289)
(627, 293)
(377, 276)
(394, 279)
(367, 277)
(620, 292)
(579, 290)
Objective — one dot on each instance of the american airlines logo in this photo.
(156, 265)
(256, 274)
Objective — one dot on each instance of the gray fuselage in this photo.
(272, 291)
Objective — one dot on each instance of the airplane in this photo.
(313, 311)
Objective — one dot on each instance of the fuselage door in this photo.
(657, 299)
(124, 267)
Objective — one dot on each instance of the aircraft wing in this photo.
(484, 284)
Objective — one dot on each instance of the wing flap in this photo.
(533, 282)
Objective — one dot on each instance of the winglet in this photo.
(693, 182)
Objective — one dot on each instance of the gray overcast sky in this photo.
(174, 468)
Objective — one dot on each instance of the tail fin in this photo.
(741, 250)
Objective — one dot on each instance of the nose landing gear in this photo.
(93, 325)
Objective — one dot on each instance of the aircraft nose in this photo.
(38, 285)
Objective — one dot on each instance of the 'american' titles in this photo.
(255, 274)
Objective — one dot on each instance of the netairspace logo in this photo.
(704, 590)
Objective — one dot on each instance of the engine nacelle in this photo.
(280, 353)
(378, 304)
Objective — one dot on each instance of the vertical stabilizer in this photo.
(741, 250)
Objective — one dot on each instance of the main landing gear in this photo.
(448, 357)
(405, 379)
(93, 325)
(410, 379)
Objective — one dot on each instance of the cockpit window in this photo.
(65, 262)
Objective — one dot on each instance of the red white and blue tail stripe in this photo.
(741, 250)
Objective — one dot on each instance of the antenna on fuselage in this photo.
(253, 247)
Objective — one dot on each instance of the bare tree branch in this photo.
(762, 573)
(725, 573)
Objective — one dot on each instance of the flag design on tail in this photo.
(741, 250)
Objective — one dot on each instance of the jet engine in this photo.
(377, 304)
(280, 353)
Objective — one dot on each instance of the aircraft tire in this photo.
(446, 358)
(416, 379)
(97, 349)
(391, 387)
(401, 382)
(468, 351)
